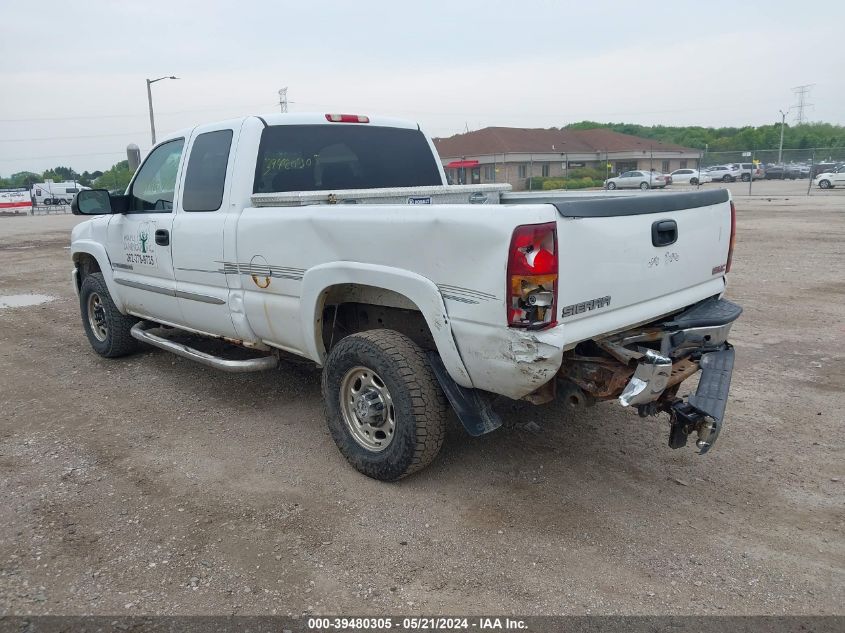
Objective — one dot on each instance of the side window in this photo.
(206, 173)
(155, 183)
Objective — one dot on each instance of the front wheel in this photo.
(611, 185)
(107, 329)
(824, 184)
(643, 186)
(693, 181)
(384, 406)
(727, 178)
(746, 178)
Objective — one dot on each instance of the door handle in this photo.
(664, 232)
(162, 237)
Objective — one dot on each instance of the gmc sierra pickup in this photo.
(336, 238)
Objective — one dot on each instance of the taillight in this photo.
(532, 276)
(347, 118)
(733, 238)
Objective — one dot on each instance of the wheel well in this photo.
(352, 308)
(86, 264)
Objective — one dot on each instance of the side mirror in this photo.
(91, 202)
(98, 202)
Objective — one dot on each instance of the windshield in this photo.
(326, 157)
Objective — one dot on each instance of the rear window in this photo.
(341, 156)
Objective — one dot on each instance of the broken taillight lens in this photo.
(532, 276)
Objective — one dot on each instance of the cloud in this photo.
(447, 65)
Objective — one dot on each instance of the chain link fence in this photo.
(790, 164)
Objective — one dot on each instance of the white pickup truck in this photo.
(335, 238)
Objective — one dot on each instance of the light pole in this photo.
(782, 123)
(150, 82)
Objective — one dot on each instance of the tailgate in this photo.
(630, 259)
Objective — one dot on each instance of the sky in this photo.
(73, 90)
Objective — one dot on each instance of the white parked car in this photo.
(725, 173)
(690, 177)
(830, 179)
(335, 237)
(636, 180)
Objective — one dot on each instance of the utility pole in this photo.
(802, 92)
(150, 82)
(782, 123)
(283, 99)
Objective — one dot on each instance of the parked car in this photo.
(748, 171)
(820, 168)
(802, 170)
(725, 173)
(219, 236)
(778, 171)
(831, 179)
(636, 180)
(690, 177)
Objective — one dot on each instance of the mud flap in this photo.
(705, 410)
(471, 406)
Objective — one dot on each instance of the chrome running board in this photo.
(141, 332)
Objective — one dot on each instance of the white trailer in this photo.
(55, 193)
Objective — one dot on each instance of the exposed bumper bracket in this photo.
(705, 410)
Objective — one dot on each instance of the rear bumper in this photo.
(645, 367)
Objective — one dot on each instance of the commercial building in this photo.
(514, 155)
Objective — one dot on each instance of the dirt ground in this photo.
(153, 485)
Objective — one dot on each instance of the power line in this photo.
(802, 92)
(129, 116)
(67, 138)
(23, 158)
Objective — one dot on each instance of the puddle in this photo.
(23, 301)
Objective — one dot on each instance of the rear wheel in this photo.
(107, 329)
(745, 177)
(643, 186)
(727, 178)
(824, 184)
(384, 406)
(693, 181)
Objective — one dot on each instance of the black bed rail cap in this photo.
(608, 206)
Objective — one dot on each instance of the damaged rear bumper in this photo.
(645, 367)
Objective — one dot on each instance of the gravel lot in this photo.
(152, 485)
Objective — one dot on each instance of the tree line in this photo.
(732, 139)
(114, 178)
(721, 139)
